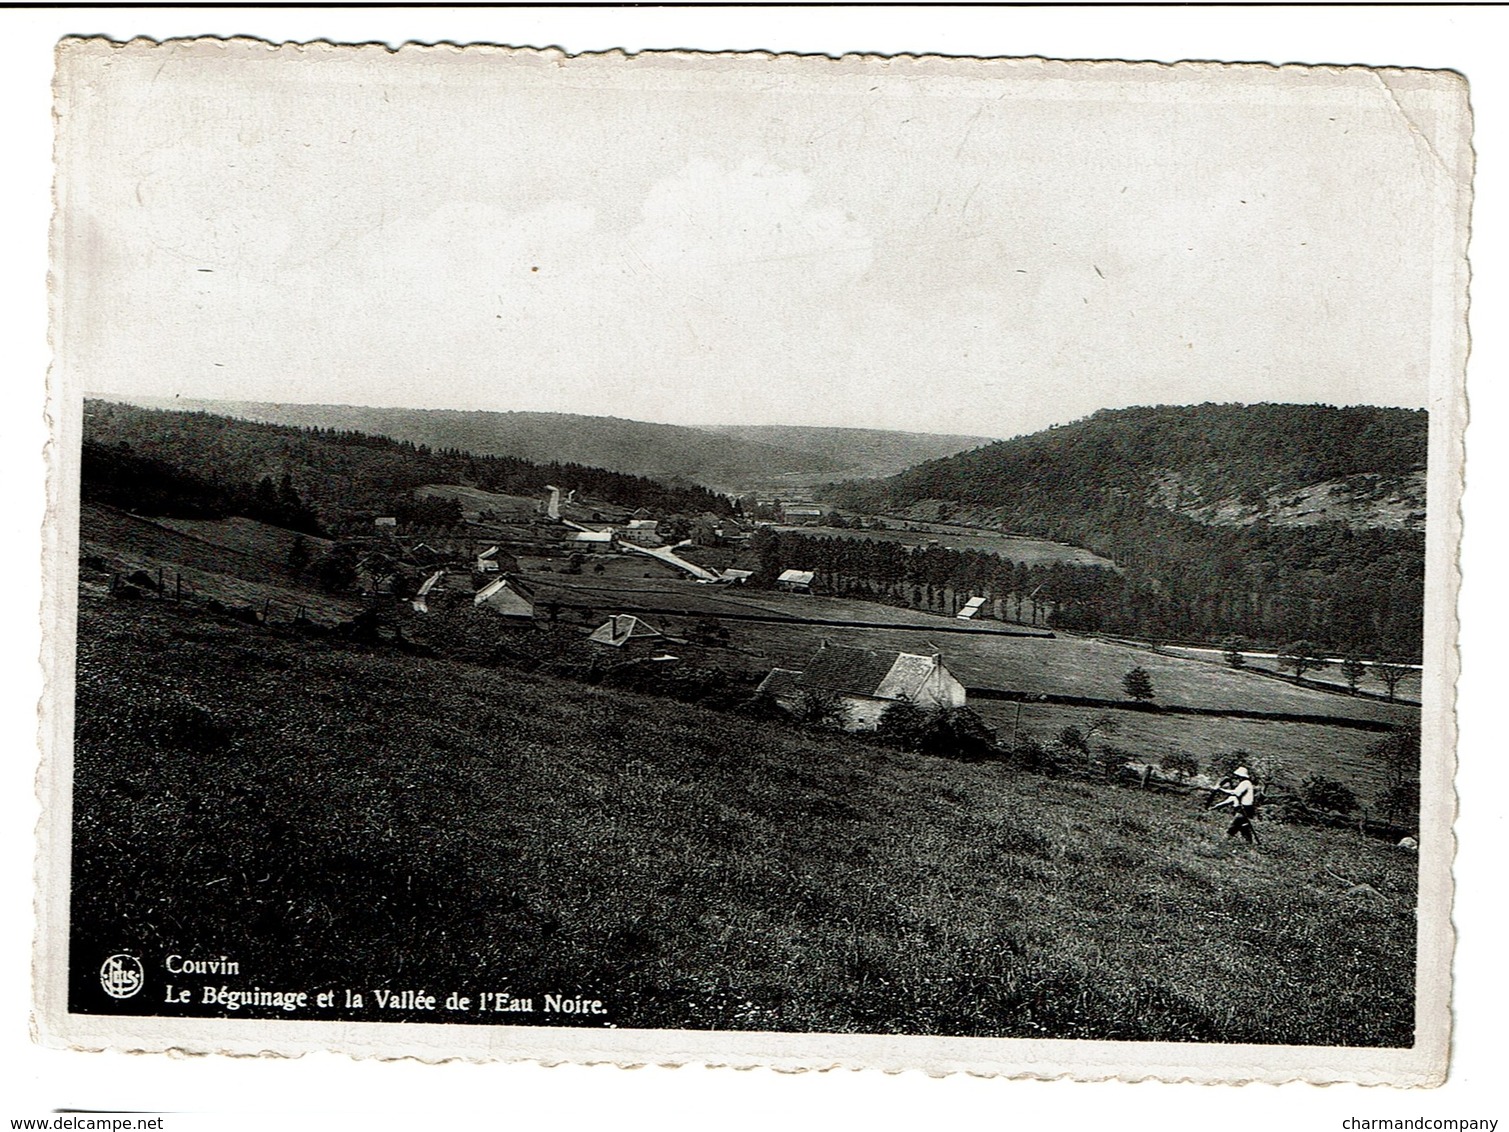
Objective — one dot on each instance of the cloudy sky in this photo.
(929, 246)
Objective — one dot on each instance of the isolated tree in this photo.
(1352, 670)
(1389, 674)
(1137, 684)
(299, 554)
(1301, 657)
(1231, 650)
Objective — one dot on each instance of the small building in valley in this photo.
(867, 682)
(796, 581)
(642, 532)
(505, 598)
(970, 609)
(589, 541)
(618, 630)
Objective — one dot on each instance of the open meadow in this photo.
(342, 815)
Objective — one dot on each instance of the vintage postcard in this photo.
(905, 562)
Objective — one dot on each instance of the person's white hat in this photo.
(1241, 772)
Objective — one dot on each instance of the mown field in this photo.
(338, 816)
(1407, 689)
(1018, 548)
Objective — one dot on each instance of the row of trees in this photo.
(1300, 657)
(1101, 599)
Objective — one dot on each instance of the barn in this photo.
(867, 682)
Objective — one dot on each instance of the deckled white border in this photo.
(1423, 1065)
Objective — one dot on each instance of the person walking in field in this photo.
(1241, 796)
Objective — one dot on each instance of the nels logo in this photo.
(122, 975)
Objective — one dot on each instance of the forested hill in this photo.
(723, 458)
(201, 464)
(1276, 520)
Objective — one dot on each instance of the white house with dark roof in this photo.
(868, 682)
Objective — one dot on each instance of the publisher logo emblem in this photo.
(122, 975)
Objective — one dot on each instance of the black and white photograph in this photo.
(894, 561)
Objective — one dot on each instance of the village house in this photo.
(506, 599)
(802, 515)
(642, 532)
(589, 541)
(867, 682)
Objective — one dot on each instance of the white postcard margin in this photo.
(1433, 107)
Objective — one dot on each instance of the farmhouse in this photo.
(487, 561)
(867, 682)
(505, 600)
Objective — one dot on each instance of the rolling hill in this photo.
(726, 457)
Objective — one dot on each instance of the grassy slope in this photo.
(238, 561)
(337, 817)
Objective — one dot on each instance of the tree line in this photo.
(1371, 609)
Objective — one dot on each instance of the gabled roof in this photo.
(502, 598)
(839, 668)
(781, 682)
(430, 583)
(970, 608)
(619, 629)
(797, 577)
(864, 672)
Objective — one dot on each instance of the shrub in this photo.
(819, 708)
(1322, 793)
(904, 725)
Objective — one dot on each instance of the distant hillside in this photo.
(723, 458)
(1272, 520)
(195, 464)
(862, 452)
